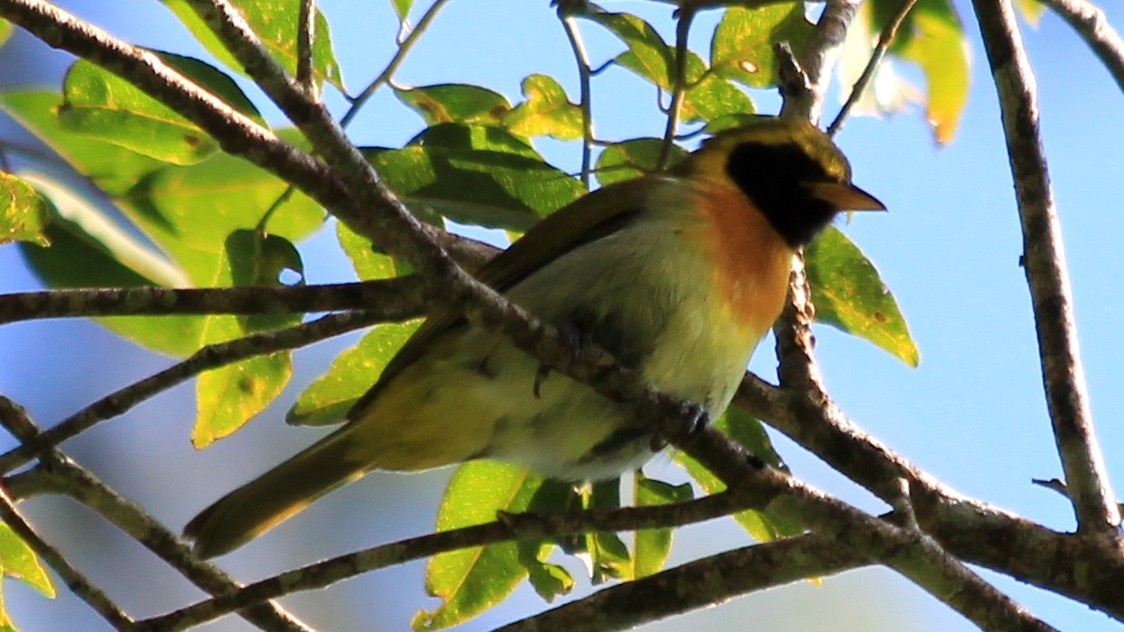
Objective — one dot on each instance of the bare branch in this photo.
(585, 75)
(306, 35)
(1091, 24)
(1044, 262)
(396, 299)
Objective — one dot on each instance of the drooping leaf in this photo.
(19, 561)
(328, 398)
(939, 46)
(368, 263)
(743, 428)
(742, 46)
(456, 103)
(275, 23)
(707, 96)
(100, 104)
(5, 31)
(260, 259)
(849, 294)
(632, 158)
(229, 396)
(472, 580)
(546, 112)
(652, 546)
(402, 8)
(608, 556)
(648, 55)
(24, 214)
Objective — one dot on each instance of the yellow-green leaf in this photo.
(24, 214)
(19, 561)
(938, 45)
(229, 396)
(849, 294)
(1032, 10)
(632, 158)
(742, 46)
(328, 398)
(652, 546)
(456, 103)
(546, 112)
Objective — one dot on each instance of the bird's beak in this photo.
(845, 197)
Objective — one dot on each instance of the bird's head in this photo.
(788, 169)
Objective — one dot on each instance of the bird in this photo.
(678, 274)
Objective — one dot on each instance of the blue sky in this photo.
(972, 414)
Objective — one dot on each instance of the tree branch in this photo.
(1044, 261)
(59, 474)
(1091, 24)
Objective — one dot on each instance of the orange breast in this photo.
(751, 261)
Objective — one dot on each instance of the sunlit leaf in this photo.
(849, 294)
(743, 428)
(24, 214)
(100, 104)
(19, 561)
(456, 103)
(546, 112)
(328, 398)
(939, 46)
(607, 555)
(275, 23)
(402, 8)
(1031, 10)
(472, 580)
(652, 546)
(648, 55)
(5, 31)
(742, 46)
(229, 396)
(632, 158)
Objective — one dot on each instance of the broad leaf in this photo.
(402, 9)
(19, 561)
(742, 46)
(546, 112)
(939, 46)
(230, 396)
(608, 556)
(632, 158)
(1032, 10)
(472, 580)
(849, 294)
(648, 55)
(456, 103)
(328, 398)
(24, 213)
(5, 31)
(275, 22)
(652, 546)
(100, 104)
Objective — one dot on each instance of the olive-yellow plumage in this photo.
(679, 275)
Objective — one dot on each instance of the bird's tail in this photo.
(275, 496)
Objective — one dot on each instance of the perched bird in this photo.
(677, 274)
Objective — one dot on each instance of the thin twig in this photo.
(1091, 24)
(581, 57)
(1045, 265)
(399, 56)
(885, 38)
(396, 299)
(209, 357)
(59, 474)
(75, 580)
(306, 36)
(686, 15)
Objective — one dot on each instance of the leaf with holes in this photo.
(742, 46)
(546, 112)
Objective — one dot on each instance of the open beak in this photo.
(845, 197)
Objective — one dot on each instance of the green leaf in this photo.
(368, 263)
(469, 186)
(938, 45)
(328, 398)
(742, 46)
(230, 396)
(707, 96)
(5, 31)
(652, 546)
(275, 22)
(19, 561)
(546, 112)
(742, 427)
(472, 580)
(1032, 11)
(647, 55)
(632, 159)
(24, 214)
(608, 556)
(849, 294)
(402, 9)
(111, 167)
(456, 103)
(100, 104)
(259, 259)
